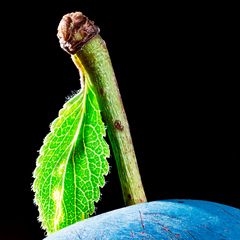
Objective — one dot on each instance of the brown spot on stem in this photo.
(101, 91)
(118, 125)
(74, 30)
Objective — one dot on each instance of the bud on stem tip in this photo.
(74, 30)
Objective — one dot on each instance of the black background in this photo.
(176, 71)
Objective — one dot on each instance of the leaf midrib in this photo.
(72, 148)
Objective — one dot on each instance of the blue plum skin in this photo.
(167, 219)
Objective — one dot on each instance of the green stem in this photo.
(94, 58)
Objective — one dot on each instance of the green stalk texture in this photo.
(95, 59)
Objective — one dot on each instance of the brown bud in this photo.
(74, 31)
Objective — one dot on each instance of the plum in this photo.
(166, 219)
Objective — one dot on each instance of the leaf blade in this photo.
(72, 162)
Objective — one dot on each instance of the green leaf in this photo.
(72, 162)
